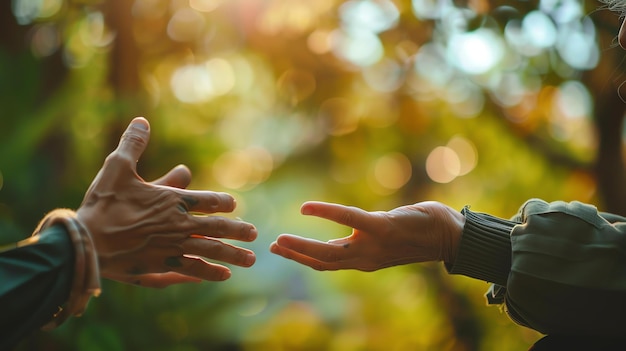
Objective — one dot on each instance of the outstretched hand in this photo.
(426, 231)
(157, 234)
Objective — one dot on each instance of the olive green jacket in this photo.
(559, 268)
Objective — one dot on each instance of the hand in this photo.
(426, 231)
(145, 233)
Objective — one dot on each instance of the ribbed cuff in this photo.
(485, 248)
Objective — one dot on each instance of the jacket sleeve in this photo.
(561, 271)
(35, 279)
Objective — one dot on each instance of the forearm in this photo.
(34, 281)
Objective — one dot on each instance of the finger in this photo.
(151, 258)
(206, 201)
(162, 280)
(177, 177)
(305, 260)
(220, 251)
(315, 249)
(159, 260)
(353, 217)
(220, 227)
(153, 280)
(198, 268)
(135, 139)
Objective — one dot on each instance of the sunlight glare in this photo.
(94, 32)
(476, 52)
(319, 41)
(385, 76)
(243, 168)
(570, 120)
(203, 82)
(562, 11)
(466, 152)
(359, 47)
(205, 5)
(151, 9)
(393, 170)
(466, 99)
(510, 88)
(430, 64)
(539, 29)
(443, 165)
(517, 38)
(374, 16)
(185, 25)
(573, 100)
(578, 47)
(430, 9)
(27, 11)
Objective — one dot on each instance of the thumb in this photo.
(135, 139)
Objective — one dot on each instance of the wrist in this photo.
(86, 281)
(455, 224)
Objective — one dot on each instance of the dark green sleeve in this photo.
(568, 272)
(485, 248)
(34, 280)
(559, 268)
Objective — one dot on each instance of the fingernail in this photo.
(140, 126)
(306, 210)
(250, 259)
(226, 275)
(273, 247)
(253, 234)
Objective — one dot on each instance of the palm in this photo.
(407, 234)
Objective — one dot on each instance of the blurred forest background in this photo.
(371, 103)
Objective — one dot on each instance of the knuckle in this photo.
(222, 225)
(217, 250)
(117, 157)
(133, 138)
(241, 256)
(347, 218)
(224, 201)
(217, 225)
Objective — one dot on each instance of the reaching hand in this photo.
(426, 231)
(146, 233)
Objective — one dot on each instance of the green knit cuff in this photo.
(485, 248)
